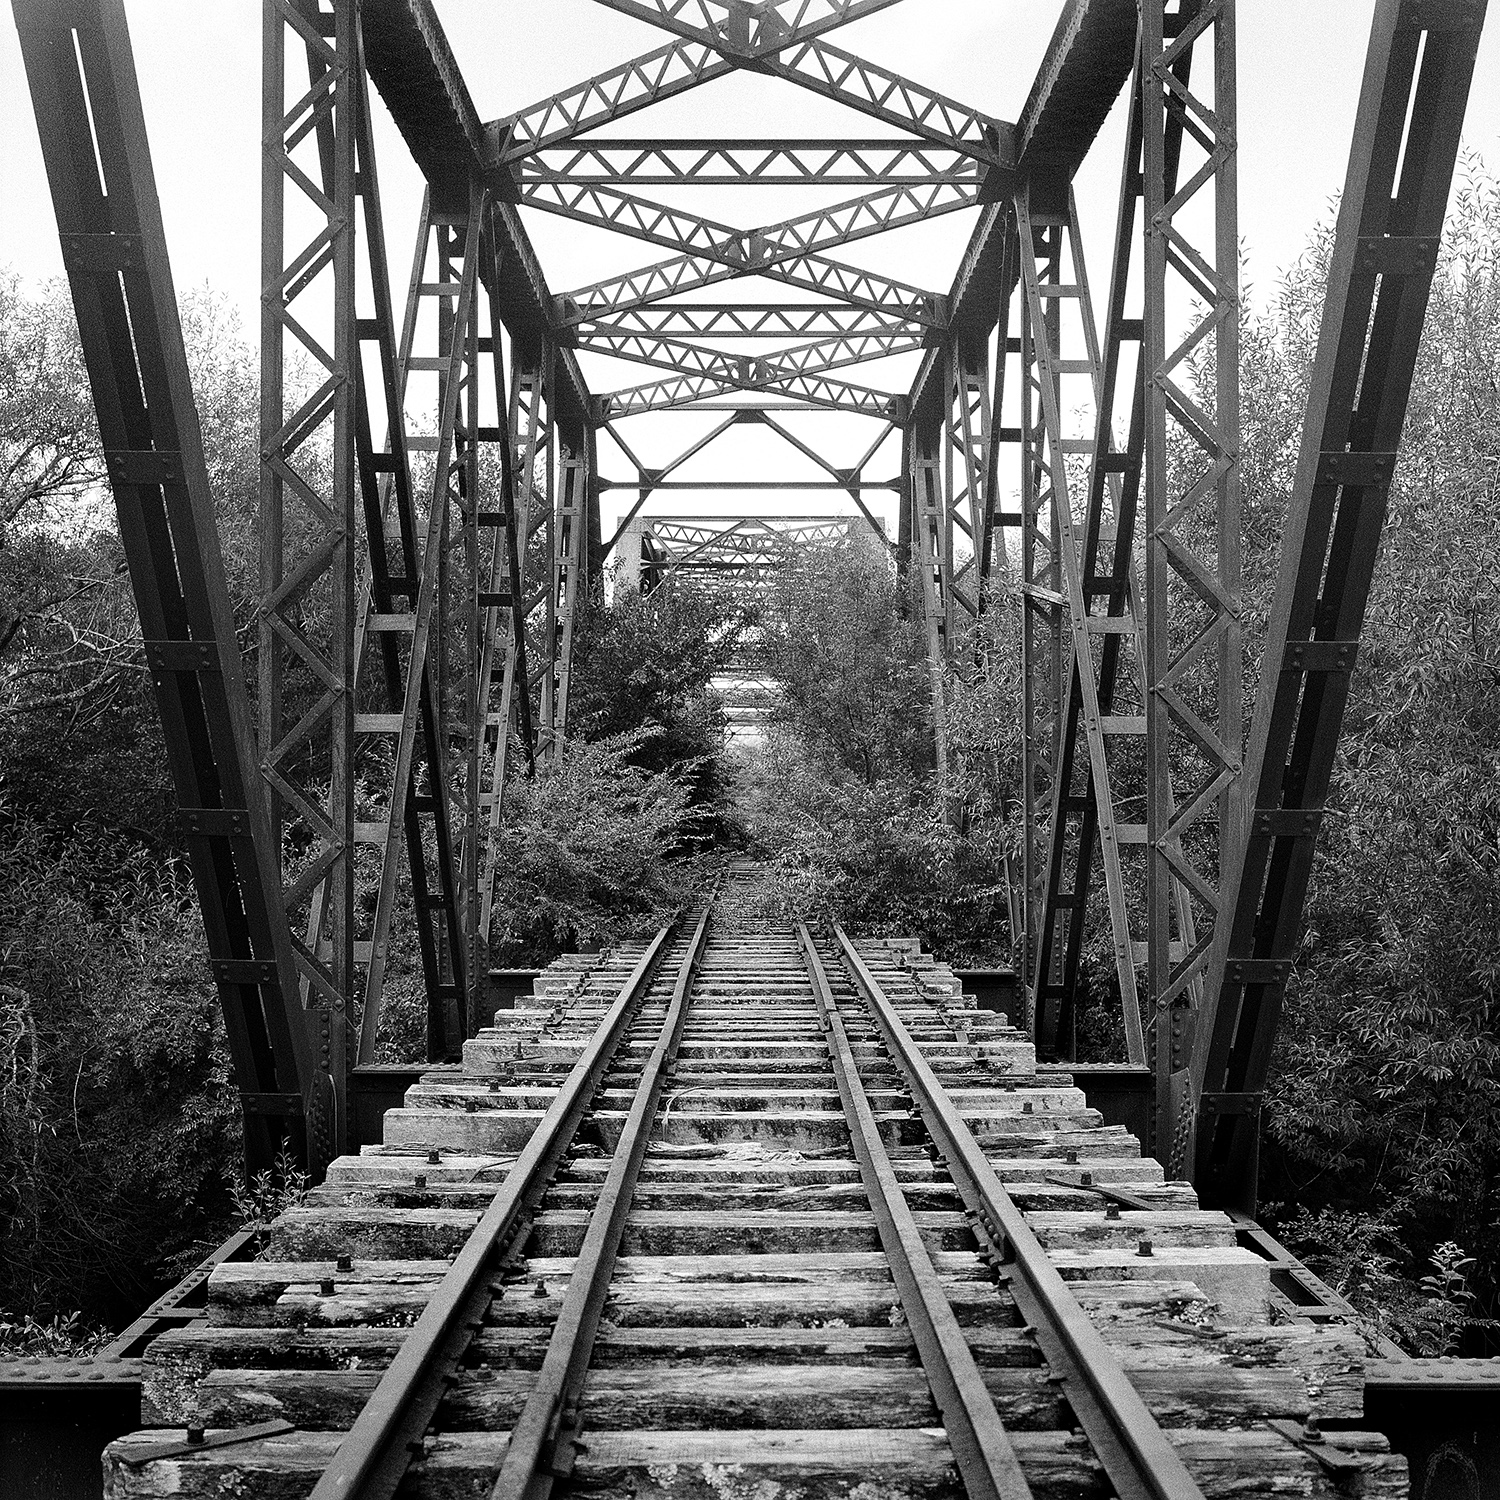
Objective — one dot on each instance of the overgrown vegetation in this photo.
(118, 1124)
(1384, 1116)
(842, 799)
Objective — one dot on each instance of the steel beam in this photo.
(760, 163)
(1192, 504)
(816, 390)
(749, 372)
(928, 536)
(789, 251)
(398, 680)
(1417, 79)
(81, 72)
(752, 320)
(309, 513)
(1063, 348)
(712, 48)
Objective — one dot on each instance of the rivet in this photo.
(1086, 1178)
(419, 1181)
(1071, 1156)
(1113, 1211)
(434, 1157)
(325, 1287)
(344, 1263)
(541, 1290)
(1144, 1249)
(196, 1436)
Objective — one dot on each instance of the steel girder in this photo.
(1101, 766)
(851, 480)
(379, 710)
(714, 252)
(1061, 341)
(309, 490)
(1192, 503)
(926, 549)
(1406, 138)
(399, 692)
(762, 163)
(752, 320)
(734, 554)
(785, 48)
(81, 73)
(749, 372)
(687, 390)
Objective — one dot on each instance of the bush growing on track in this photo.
(592, 849)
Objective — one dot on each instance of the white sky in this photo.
(1299, 72)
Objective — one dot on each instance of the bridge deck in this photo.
(756, 1336)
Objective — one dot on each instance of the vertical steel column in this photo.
(309, 491)
(403, 701)
(932, 570)
(533, 420)
(1042, 605)
(569, 563)
(1056, 282)
(970, 496)
(81, 72)
(1406, 137)
(523, 432)
(994, 543)
(1192, 551)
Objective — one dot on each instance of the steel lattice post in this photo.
(308, 488)
(80, 70)
(1042, 611)
(1055, 281)
(526, 509)
(931, 569)
(965, 470)
(400, 692)
(1191, 475)
(569, 563)
(1418, 74)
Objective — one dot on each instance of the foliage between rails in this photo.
(117, 1118)
(645, 665)
(881, 858)
(842, 801)
(585, 846)
(849, 663)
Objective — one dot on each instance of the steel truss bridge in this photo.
(1075, 446)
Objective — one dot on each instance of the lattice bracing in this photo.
(760, 163)
(789, 251)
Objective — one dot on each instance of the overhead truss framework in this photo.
(1062, 467)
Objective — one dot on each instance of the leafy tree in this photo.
(1384, 1098)
(585, 852)
(645, 665)
(850, 664)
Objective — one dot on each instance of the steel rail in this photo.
(544, 1443)
(981, 1446)
(373, 1457)
(1130, 1446)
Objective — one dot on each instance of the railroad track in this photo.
(748, 1212)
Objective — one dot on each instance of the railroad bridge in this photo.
(744, 1208)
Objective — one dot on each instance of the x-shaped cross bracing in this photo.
(779, 39)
